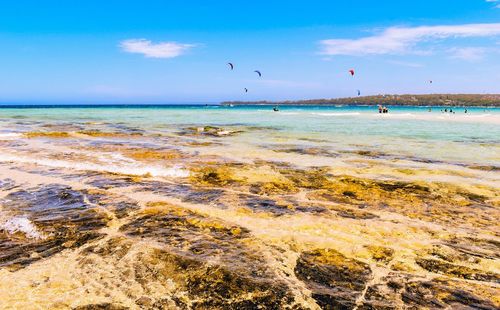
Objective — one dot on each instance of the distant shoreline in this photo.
(444, 100)
(433, 100)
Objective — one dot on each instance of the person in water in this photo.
(379, 108)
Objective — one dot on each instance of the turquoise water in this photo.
(478, 125)
(410, 131)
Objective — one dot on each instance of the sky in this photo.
(177, 51)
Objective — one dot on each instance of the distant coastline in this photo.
(471, 100)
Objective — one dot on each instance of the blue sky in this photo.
(176, 51)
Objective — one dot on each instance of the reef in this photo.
(355, 229)
(45, 221)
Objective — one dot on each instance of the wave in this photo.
(21, 224)
(120, 167)
(10, 136)
(338, 114)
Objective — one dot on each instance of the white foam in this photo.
(337, 114)
(9, 136)
(23, 225)
(115, 166)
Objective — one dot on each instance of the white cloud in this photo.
(468, 53)
(401, 40)
(155, 50)
(497, 6)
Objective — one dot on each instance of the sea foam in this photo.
(114, 166)
(22, 225)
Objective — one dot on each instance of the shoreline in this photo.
(227, 104)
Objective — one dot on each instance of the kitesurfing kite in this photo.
(351, 72)
(258, 72)
(359, 92)
(246, 90)
(231, 65)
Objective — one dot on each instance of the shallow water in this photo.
(216, 207)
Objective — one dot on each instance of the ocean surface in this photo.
(194, 206)
(471, 137)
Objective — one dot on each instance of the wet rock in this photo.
(121, 206)
(144, 301)
(209, 131)
(184, 192)
(436, 202)
(117, 247)
(127, 133)
(146, 154)
(213, 176)
(207, 258)
(47, 134)
(335, 280)
(215, 286)
(482, 248)
(187, 232)
(50, 219)
(262, 204)
(314, 178)
(274, 188)
(7, 184)
(305, 150)
(438, 294)
(405, 292)
(455, 270)
(108, 181)
(354, 214)
(101, 306)
(382, 297)
(485, 168)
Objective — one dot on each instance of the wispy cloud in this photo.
(468, 53)
(155, 50)
(497, 5)
(401, 40)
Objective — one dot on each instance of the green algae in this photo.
(107, 134)
(381, 253)
(47, 134)
(214, 176)
(153, 155)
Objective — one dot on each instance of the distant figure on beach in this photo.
(465, 110)
(275, 109)
(451, 111)
(385, 110)
(446, 110)
(379, 108)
